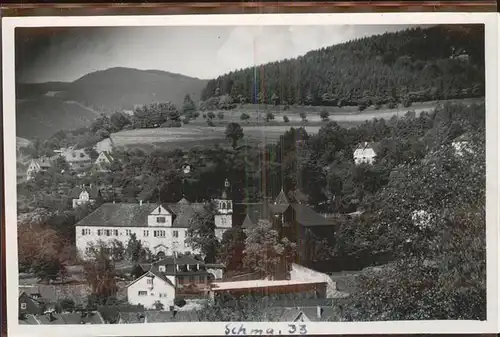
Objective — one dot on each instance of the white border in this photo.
(218, 328)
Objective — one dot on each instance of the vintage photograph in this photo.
(243, 173)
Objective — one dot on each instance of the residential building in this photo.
(103, 161)
(173, 277)
(366, 153)
(72, 318)
(31, 304)
(81, 195)
(37, 165)
(295, 220)
(162, 228)
(78, 159)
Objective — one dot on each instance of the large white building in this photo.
(162, 228)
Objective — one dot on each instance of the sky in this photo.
(66, 54)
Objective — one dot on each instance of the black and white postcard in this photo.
(251, 174)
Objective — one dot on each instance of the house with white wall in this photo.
(81, 195)
(168, 279)
(37, 165)
(366, 153)
(77, 159)
(461, 144)
(162, 228)
(103, 161)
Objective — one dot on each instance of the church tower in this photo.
(224, 216)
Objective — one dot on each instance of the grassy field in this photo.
(256, 129)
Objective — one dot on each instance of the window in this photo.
(143, 293)
(115, 232)
(99, 232)
(83, 231)
(23, 306)
(128, 232)
(161, 219)
(146, 233)
(176, 234)
(202, 279)
(150, 281)
(159, 234)
(108, 232)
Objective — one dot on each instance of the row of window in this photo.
(145, 293)
(128, 232)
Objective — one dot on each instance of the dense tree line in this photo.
(418, 64)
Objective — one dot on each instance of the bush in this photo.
(286, 119)
(171, 124)
(185, 121)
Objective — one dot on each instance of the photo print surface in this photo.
(229, 174)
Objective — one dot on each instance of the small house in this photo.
(366, 153)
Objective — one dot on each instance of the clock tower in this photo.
(224, 216)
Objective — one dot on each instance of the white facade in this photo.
(149, 289)
(158, 236)
(462, 147)
(364, 154)
(83, 198)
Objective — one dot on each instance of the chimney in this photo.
(319, 312)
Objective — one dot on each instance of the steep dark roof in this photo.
(256, 212)
(93, 192)
(171, 316)
(171, 263)
(119, 215)
(297, 196)
(185, 213)
(307, 217)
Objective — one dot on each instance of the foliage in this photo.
(42, 252)
(234, 132)
(220, 115)
(201, 233)
(155, 114)
(269, 116)
(100, 273)
(135, 250)
(286, 119)
(245, 117)
(303, 116)
(232, 247)
(188, 107)
(266, 253)
(422, 64)
(158, 305)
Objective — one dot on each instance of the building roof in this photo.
(281, 199)
(309, 313)
(119, 215)
(197, 267)
(41, 162)
(256, 212)
(253, 284)
(375, 146)
(153, 272)
(93, 191)
(171, 316)
(29, 319)
(297, 196)
(75, 155)
(307, 217)
(52, 293)
(72, 318)
(107, 155)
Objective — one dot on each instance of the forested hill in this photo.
(417, 64)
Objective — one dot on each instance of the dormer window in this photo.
(161, 219)
(162, 269)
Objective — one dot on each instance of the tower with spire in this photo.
(224, 217)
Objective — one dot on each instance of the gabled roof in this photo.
(256, 212)
(107, 155)
(375, 146)
(93, 192)
(307, 217)
(152, 273)
(281, 199)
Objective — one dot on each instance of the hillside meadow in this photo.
(197, 132)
